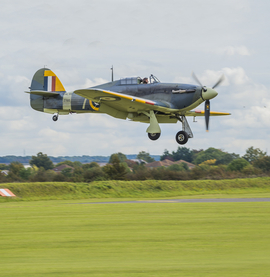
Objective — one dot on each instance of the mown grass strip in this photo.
(47, 238)
(135, 189)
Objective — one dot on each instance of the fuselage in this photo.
(181, 97)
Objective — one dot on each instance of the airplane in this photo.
(145, 100)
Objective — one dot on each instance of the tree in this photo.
(3, 166)
(67, 172)
(115, 170)
(253, 154)
(122, 157)
(25, 173)
(213, 153)
(41, 160)
(238, 164)
(263, 163)
(166, 155)
(94, 173)
(145, 156)
(178, 167)
(90, 165)
(183, 153)
(15, 168)
(14, 172)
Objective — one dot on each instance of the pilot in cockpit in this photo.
(145, 80)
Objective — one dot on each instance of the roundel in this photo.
(95, 106)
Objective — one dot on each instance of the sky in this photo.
(80, 41)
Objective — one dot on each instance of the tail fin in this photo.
(44, 84)
(45, 80)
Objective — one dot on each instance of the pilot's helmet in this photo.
(145, 80)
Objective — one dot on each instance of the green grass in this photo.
(138, 189)
(61, 238)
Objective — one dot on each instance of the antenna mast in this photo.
(112, 72)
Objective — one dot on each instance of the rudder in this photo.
(45, 80)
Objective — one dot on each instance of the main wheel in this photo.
(153, 136)
(55, 118)
(181, 137)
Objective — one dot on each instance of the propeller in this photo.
(208, 94)
(207, 114)
(221, 79)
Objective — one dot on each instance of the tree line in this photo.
(211, 163)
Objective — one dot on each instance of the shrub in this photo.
(238, 164)
(263, 163)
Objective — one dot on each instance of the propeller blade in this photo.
(221, 79)
(207, 114)
(196, 79)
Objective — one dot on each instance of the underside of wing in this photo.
(201, 113)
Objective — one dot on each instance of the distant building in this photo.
(5, 172)
(139, 161)
(155, 164)
(190, 165)
(167, 163)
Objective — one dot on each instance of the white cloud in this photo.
(234, 50)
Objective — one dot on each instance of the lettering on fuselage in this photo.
(67, 101)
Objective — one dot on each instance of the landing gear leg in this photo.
(183, 136)
(55, 117)
(153, 130)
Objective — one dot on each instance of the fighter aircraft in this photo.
(138, 99)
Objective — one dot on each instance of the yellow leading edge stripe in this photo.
(217, 113)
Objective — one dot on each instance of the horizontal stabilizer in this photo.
(43, 93)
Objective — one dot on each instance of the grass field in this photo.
(137, 189)
(61, 238)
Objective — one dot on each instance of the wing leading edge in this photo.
(201, 113)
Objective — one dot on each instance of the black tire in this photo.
(153, 136)
(55, 118)
(181, 137)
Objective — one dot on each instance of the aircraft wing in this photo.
(124, 102)
(201, 113)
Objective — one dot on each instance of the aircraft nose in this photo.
(209, 94)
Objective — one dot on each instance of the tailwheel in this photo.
(181, 137)
(55, 117)
(153, 136)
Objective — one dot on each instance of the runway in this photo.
(210, 200)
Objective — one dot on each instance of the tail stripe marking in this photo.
(51, 82)
(46, 83)
(49, 85)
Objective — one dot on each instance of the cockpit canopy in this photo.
(138, 80)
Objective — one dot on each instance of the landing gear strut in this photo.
(183, 136)
(153, 130)
(55, 117)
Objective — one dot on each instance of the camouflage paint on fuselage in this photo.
(166, 95)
